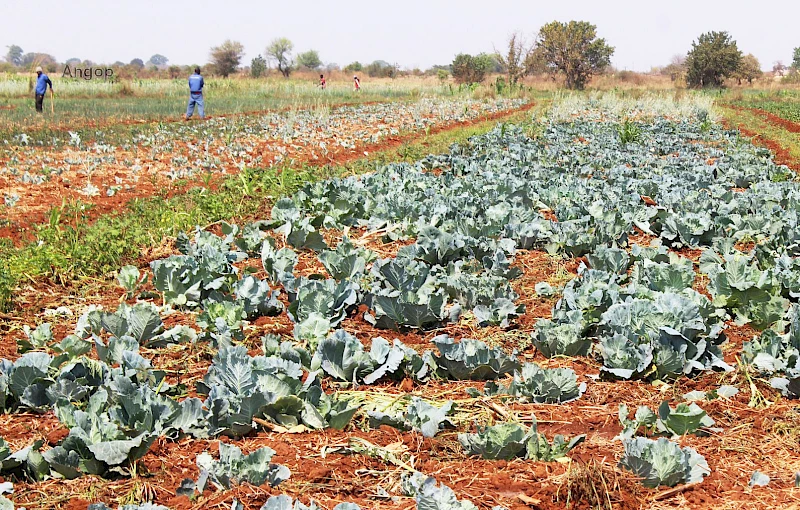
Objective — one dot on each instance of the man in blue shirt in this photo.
(42, 81)
(195, 94)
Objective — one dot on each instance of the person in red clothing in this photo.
(356, 83)
(322, 82)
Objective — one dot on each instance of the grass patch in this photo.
(71, 250)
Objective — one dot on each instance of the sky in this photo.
(411, 33)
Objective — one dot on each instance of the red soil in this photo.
(35, 202)
(782, 155)
(775, 120)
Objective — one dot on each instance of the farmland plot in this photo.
(588, 313)
(38, 174)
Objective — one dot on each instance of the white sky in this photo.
(413, 33)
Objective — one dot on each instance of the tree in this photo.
(158, 60)
(226, 57)
(14, 55)
(497, 64)
(380, 69)
(573, 49)
(749, 69)
(137, 63)
(471, 69)
(713, 57)
(676, 69)
(38, 59)
(354, 67)
(258, 66)
(309, 59)
(514, 62)
(535, 62)
(280, 51)
(796, 59)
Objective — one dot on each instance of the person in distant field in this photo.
(196, 94)
(356, 83)
(322, 82)
(42, 81)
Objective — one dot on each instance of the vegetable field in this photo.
(43, 171)
(597, 308)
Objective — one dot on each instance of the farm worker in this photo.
(42, 81)
(195, 94)
(322, 82)
(356, 83)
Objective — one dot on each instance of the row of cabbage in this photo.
(685, 182)
(117, 405)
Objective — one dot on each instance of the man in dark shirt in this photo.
(42, 81)
(196, 94)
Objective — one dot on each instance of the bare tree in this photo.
(515, 61)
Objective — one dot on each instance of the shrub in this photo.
(471, 69)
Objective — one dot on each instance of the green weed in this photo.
(629, 132)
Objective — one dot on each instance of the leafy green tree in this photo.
(796, 59)
(573, 49)
(137, 63)
(354, 67)
(226, 57)
(381, 69)
(280, 51)
(158, 60)
(471, 69)
(377, 68)
(14, 55)
(258, 66)
(309, 59)
(749, 69)
(713, 57)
